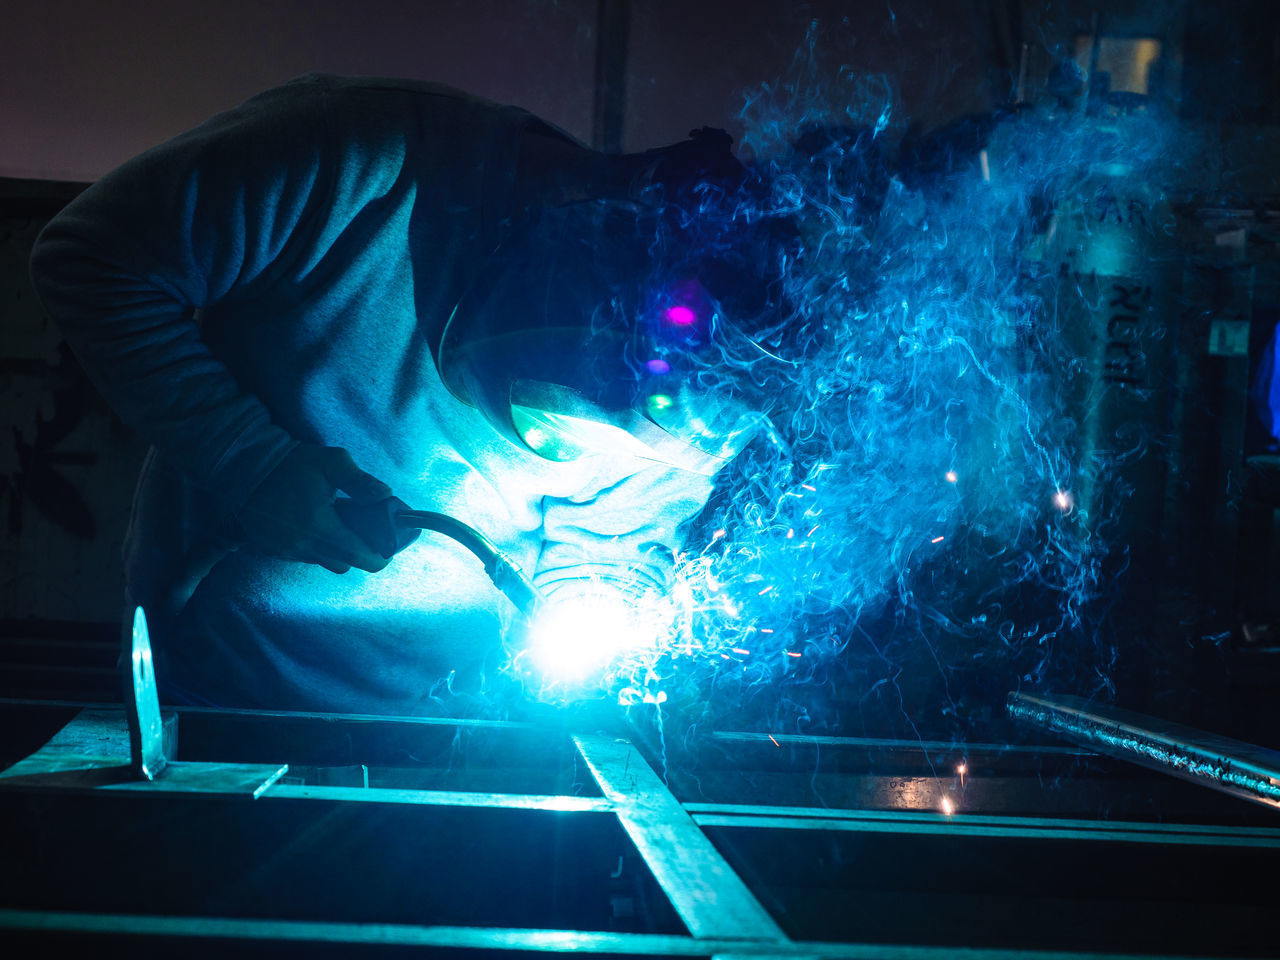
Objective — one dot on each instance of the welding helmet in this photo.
(595, 329)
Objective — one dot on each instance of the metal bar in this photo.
(903, 816)
(362, 717)
(710, 898)
(962, 827)
(142, 702)
(92, 752)
(282, 714)
(878, 743)
(525, 940)
(440, 798)
(1229, 766)
(249, 780)
(92, 738)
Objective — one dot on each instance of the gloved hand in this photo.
(291, 513)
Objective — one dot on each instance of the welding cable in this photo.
(389, 525)
(501, 569)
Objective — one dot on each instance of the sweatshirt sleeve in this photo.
(124, 268)
(625, 535)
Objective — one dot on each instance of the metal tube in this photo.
(708, 895)
(1222, 764)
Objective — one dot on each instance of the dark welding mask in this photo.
(590, 331)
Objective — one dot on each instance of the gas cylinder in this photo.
(1105, 267)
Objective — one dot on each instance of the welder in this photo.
(353, 288)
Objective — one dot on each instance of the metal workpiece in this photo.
(887, 743)
(924, 776)
(439, 798)
(708, 895)
(142, 702)
(978, 825)
(544, 865)
(1229, 766)
(394, 937)
(129, 749)
(93, 752)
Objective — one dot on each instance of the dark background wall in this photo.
(86, 85)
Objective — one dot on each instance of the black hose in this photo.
(505, 574)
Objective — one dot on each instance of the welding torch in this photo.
(388, 526)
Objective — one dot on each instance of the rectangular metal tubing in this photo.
(524, 940)
(281, 714)
(710, 898)
(877, 743)
(440, 798)
(1229, 766)
(1021, 828)
(1263, 834)
(92, 751)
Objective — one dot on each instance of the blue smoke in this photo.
(932, 492)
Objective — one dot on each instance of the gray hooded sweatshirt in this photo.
(279, 275)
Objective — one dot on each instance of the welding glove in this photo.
(291, 514)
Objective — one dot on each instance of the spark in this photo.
(792, 653)
(951, 476)
(766, 629)
(962, 769)
(948, 807)
(883, 120)
(718, 534)
(937, 540)
(791, 533)
(809, 488)
(815, 527)
(775, 742)
(765, 590)
(742, 653)
(1063, 501)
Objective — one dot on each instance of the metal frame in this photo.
(723, 917)
(531, 941)
(710, 898)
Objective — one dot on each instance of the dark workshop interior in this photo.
(955, 379)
